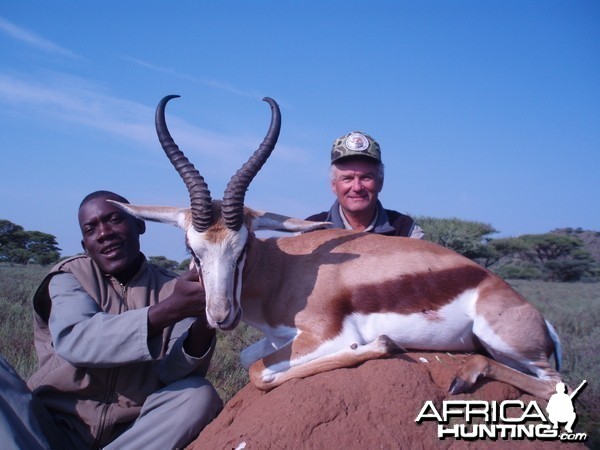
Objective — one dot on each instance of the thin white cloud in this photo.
(74, 100)
(31, 38)
(206, 82)
(58, 97)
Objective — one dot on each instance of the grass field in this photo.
(573, 309)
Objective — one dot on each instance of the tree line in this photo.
(22, 247)
(554, 256)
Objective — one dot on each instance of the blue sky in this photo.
(485, 110)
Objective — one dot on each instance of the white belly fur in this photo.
(449, 328)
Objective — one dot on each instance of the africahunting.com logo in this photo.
(509, 419)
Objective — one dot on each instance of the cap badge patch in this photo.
(357, 142)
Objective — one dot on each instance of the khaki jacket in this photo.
(100, 398)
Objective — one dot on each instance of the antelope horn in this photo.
(232, 208)
(200, 199)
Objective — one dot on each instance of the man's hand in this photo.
(188, 296)
(201, 334)
(187, 300)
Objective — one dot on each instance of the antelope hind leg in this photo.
(278, 368)
(480, 365)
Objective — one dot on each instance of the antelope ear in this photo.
(180, 217)
(269, 221)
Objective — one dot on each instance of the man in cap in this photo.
(356, 176)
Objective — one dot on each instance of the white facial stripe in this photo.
(239, 279)
(219, 261)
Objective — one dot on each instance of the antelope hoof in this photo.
(459, 386)
(389, 346)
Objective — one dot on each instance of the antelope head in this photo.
(218, 232)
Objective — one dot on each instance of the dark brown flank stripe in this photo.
(419, 293)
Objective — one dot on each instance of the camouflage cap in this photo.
(356, 143)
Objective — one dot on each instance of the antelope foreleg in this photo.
(480, 365)
(254, 352)
(278, 368)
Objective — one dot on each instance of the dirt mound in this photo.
(370, 406)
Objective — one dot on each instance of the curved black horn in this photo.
(232, 208)
(198, 189)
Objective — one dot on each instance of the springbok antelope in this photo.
(335, 298)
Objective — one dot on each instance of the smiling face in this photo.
(111, 236)
(356, 182)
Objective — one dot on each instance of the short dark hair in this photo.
(103, 194)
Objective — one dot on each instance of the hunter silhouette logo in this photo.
(560, 407)
(509, 419)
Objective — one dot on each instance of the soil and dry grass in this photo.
(573, 309)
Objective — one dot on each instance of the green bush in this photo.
(518, 271)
